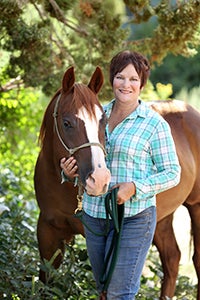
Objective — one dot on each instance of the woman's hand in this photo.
(125, 192)
(69, 167)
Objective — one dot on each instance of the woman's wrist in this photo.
(65, 178)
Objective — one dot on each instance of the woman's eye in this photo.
(119, 77)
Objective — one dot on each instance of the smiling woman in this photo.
(142, 159)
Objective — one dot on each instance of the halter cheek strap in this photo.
(71, 150)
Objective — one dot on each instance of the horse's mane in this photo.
(42, 132)
(82, 96)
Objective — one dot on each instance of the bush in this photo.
(19, 265)
(19, 256)
(20, 262)
(151, 281)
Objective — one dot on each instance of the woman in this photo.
(142, 159)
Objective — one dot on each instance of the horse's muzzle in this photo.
(98, 182)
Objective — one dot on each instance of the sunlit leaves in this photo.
(20, 114)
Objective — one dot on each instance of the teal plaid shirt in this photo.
(141, 150)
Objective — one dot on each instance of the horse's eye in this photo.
(67, 124)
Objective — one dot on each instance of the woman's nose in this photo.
(126, 82)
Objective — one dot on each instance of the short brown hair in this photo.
(124, 58)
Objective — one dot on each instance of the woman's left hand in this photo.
(125, 192)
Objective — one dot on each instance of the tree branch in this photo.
(61, 18)
(15, 83)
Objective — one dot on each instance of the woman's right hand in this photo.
(69, 166)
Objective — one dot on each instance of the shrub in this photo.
(20, 262)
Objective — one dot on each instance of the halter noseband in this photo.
(71, 150)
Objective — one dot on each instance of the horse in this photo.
(74, 123)
(184, 121)
(56, 224)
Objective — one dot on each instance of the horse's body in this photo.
(74, 123)
(56, 224)
(185, 125)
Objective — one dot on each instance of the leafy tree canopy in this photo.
(43, 37)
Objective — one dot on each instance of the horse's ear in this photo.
(68, 79)
(96, 81)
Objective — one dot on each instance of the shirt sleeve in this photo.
(167, 168)
(65, 178)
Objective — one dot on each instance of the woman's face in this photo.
(126, 85)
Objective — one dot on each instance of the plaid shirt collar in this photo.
(140, 111)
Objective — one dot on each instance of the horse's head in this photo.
(80, 124)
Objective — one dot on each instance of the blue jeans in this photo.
(137, 236)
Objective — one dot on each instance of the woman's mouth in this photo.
(124, 91)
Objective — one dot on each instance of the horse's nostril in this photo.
(105, 188)
(90, 176)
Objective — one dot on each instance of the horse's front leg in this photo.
(165, 241)
(51, 238)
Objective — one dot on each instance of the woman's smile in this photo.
(126, 85)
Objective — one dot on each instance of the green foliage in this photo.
(20, 114)
(160, 92)
(170, 31)
(19, 266)
(181, 72)
(152, 278)
(176, 31)
(43, 38)
(57, 37)
(191, 97)
(19, 261)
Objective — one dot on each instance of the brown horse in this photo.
(74, 123)
(185, 125)
(56, 224)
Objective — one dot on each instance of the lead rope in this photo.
(114, 212)
(79, 196)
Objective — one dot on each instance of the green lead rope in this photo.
(114, 212)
